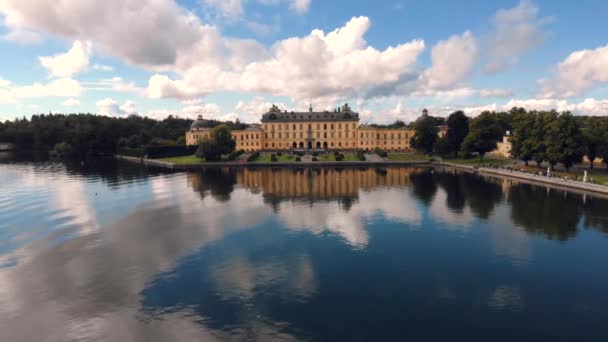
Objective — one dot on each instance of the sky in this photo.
(229, 59)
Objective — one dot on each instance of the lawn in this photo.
(332, 157)
(407, 157)
(284, 158)
(479, 162)
(183, 160)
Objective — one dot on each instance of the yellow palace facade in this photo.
(335, 130)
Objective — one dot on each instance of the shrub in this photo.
(279, 154)
(314, 159)
(273, 158)
(233, 155)
(253, 156)
(298, 159)
(339, 157)
(299, 154)
(336, 153)
(315, 154)
(381, 152)
(361, 155)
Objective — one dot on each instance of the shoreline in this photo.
(521, 176)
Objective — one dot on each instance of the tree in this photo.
(484, 132)
(521, 141)
(538, 136)
(565, 143)
(426, 134)
(594, 137)
(219, 142)
(458, 128)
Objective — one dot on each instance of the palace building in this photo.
(328, 130)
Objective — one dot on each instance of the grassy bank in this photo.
(183, 160)
(480, 162)
(407, 157)
(284, 158)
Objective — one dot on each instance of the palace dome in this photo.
(198, 123)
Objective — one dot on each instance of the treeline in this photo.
(84, 134)
(539, 136)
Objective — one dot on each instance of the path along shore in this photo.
(530, 177)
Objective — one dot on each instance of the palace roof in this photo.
(340, 114)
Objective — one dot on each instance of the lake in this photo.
(118, 252)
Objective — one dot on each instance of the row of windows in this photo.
(247, 136)
(294, 126)
(378, 136)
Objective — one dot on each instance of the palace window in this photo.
(339, 126)
(324, 134)
(318, 126)
(279, 135)
(339, 134)
(324, 126)
(286, 127)
(309, 126)
(294, 127)
(331, 126)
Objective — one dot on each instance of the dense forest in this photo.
(96, 134)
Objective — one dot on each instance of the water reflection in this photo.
(119, 252)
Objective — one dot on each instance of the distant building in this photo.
(328, 130)
(503, 148)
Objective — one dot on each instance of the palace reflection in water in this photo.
(118, 252)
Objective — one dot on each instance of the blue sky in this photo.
(231, 59)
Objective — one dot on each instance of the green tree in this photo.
(538, 136)
(458, 128)
(595, 138)
(565, 143)
(220, 142)
(522, 139)
(484, 132)
(426, 134)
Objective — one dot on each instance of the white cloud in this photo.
(62, 87)
(69, 63)
(452, 60)
(339, 63)
(589, 106)
(101, 67)
(300, 6)
(109, 107)
(580, 71)
(233, 8)
(113, 84)
(71, 103)
(22, 36)
(517, 31)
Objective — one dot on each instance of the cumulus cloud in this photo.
(452, 60)
(589, 106)
(317, 65)
(580, 71)
(109, 107)
(71, 103)
(62, 87)
(69, 63)
(113, 84)
(516, 31)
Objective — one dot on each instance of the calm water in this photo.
(116, 252)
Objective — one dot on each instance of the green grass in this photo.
(407, 157)
(477, 162)
(284, 158)
(183, 160)
(332, 157)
